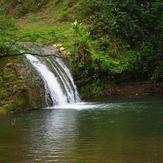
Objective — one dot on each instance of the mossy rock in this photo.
(21, 88)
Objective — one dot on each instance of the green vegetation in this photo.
(12, 95)
(15, 104)
(132, 28)
(7, 38)
(17, 83)
(109, 41)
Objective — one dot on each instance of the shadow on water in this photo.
(115, 132)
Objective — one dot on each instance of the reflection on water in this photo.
(58, 136)
(123, 132)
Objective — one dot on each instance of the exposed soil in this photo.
(136, 89)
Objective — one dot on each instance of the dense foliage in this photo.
(111, 39)
(130, 27)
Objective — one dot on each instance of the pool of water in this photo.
(115, 131)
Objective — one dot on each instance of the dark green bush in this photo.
(133, 27)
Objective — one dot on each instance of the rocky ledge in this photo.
(21, 88)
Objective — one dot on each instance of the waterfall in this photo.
(58, 82)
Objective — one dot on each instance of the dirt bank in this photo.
(135, 89)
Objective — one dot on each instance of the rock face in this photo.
(21, 88)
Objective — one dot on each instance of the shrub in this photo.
(7, 39)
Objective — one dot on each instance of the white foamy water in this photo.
(83, 106)
(60, 89)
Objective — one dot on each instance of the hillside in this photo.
(109, 41)
(46, 10)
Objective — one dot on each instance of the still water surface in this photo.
(120, 131)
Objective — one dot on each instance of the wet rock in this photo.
(20, 88)
(59, 45)
(62, 49)
(68, 53)
(8, 64)
(54, 45)
(64, 53)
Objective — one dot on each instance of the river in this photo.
(109, 131)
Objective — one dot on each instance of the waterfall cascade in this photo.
(58, 82)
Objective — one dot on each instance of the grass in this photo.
(42, 33)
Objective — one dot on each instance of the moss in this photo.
(1, 80)
(3, 110)
(17, 91)
(17, 103)
(3, 93)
